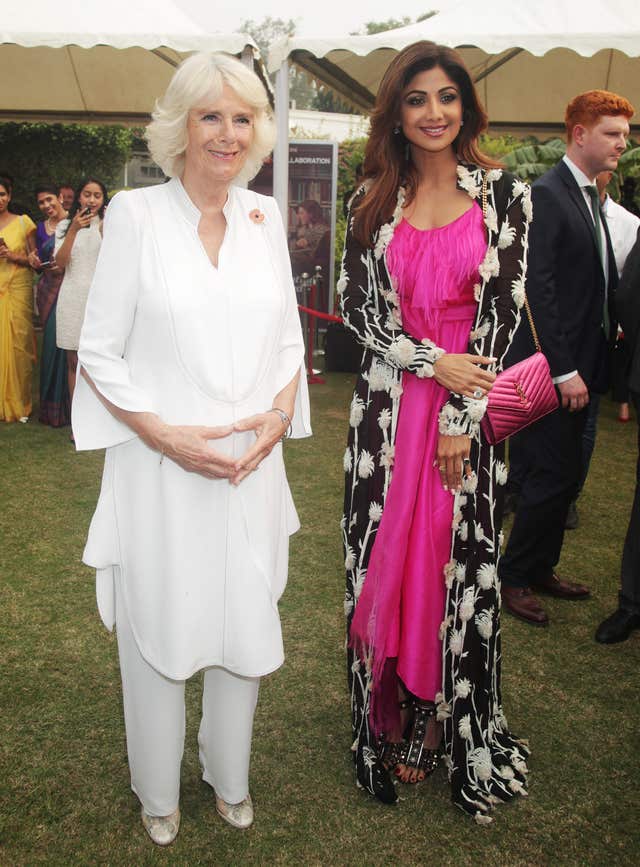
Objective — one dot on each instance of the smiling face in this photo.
(50, 206)
(600, 146)
(431, 111)
(221, 133)
(5, 198)
(91, 196)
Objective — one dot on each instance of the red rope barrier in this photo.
(319, 315)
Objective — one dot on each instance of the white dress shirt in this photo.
(623, 230)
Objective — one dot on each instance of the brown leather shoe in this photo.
(521, 602)
(555, 586)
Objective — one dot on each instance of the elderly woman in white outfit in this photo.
(191, 353)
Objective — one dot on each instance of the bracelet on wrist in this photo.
(284, 418)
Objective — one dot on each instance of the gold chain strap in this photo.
(526, 300)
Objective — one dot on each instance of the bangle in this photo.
(284, 418)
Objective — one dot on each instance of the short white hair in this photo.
(197, 78)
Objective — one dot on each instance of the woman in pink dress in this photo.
(432, 284)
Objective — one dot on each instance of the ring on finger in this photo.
(478, 393)
(466, 462)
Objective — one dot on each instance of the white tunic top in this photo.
(76, 281)
(203, 563)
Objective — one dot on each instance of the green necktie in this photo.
(595, 210)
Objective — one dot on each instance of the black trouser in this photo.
(630, 571)
(548, 461)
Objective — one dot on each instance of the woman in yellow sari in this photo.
(17, 342)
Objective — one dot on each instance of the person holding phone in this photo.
(17, 343)
(191, 368)
(55, 408)
(76, 249)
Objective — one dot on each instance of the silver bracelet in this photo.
(284, 418)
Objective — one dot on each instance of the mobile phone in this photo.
(86, 212)
(48, 264)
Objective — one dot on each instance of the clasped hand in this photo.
(188, 446)
(461, 373)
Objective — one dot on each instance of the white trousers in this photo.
(154, 716)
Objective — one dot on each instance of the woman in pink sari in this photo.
(432, 284)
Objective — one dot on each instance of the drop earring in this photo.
(396, 130)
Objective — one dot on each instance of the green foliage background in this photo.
(35, 153)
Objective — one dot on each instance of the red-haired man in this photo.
(571, 284)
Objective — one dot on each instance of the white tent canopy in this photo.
(528, 59)
(100, 60)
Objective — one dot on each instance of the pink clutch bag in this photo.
(523, 393)
(519, 396)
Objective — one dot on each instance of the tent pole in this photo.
(281, 150)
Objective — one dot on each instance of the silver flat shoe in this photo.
(239, 815)
(163, 830)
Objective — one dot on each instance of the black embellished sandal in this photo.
(394, 753)
(418, 756)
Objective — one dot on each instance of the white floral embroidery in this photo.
(486, 575)
(484, 623)
(477, 291)
(470, 483)
(347, 461)
(442, 631)
(475, 408)
(491, 219)
(518, 188)
(490, 265)
(358, 584)
(467, 606)
(480, 761)
(463, 687)
(384, 419)
(375, 512)
(506, 772)
(350, 559)
(527, 205)
(463, 531)
(356, 412)
(461, 571)
(481, 331)
(467, 182)
(443, 709)
(501, 473)
(518, 290)
(392, 322)
(455, 642)
(387, 455)
(402, 351)
(493, 175)
(377, 376)
(507, 235)
(464, 727)
(341, 285)
(366, 464)
(395, 391)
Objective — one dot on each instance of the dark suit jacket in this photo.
(565, 282)
(628, 302)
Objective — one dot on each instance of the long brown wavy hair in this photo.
(385, 162)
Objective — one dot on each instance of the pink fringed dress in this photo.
(398, 615)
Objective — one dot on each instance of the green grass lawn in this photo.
(64, 785)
